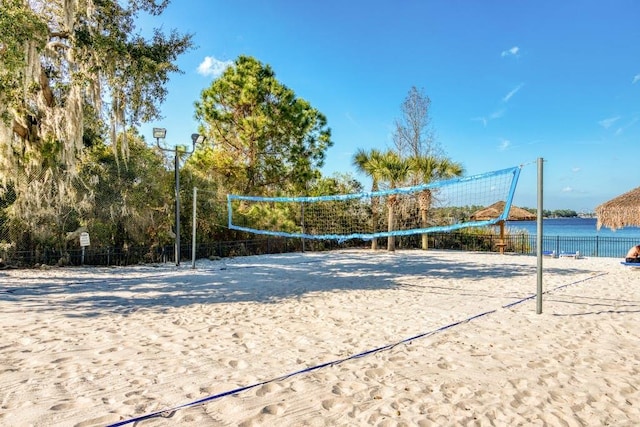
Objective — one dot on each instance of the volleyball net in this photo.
(435, 207)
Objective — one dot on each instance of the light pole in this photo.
(161, 133)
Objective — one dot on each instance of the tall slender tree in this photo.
(414, 140)
(369, 163)
(394, 170)
(426, 169)
(414, 135)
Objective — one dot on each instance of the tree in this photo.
(426, 169)
(369, 163)
(126, 203)
(338, 183)
(394, 170)
(60, 59)
(266, 140)
(413, 135)
(415, 141)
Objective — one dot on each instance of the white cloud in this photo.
(504, 144)
(500, 112)
(510, 52)
(211, 66)
(636, 79)
(567, 190)
(575, 169)
(508, 96)
(607, 123)
(493, 116)
(483, 120)
(350, 118)
(629, 123)
(496, 114)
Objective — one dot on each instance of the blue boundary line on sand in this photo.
(166, 413)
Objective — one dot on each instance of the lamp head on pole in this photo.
(159, 133)
(197, 138)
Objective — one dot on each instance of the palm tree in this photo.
(368, 162)
(426, 169)
(394, 170)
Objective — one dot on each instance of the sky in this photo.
(510, 82)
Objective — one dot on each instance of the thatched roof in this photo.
(494, 211)
(622, 211)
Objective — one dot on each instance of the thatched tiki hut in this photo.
(622, 211)
(494, 211)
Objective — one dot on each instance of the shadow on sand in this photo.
(86, 292)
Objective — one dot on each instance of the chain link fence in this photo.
(129, 219)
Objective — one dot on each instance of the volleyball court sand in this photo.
(98, 346)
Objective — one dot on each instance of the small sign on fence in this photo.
(84, 239)
(84, 242)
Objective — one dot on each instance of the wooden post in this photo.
(501, 244)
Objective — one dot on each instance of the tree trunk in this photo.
(374, 220)
(424, 200)
(425, 236)
(391, 240)
(47, 93)
(21, 131)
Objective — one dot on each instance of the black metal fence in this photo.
(108, 256)
(596, 246)
(615, 247)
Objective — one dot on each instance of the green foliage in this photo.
(483, 239)
(368, 162)
(126, 202)
(64, 66)
(211, 200)
(266, 139)
(336, 184)
(135, 69)
(18, 26)
(454, 214)
(559, 213)
(426, 169)
(281, 218)
(344, 215)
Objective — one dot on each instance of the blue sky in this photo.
(509, 81)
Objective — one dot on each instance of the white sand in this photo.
(96, 346)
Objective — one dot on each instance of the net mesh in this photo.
(433, 207)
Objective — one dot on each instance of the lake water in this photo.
(570, 235)
(573, 227)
